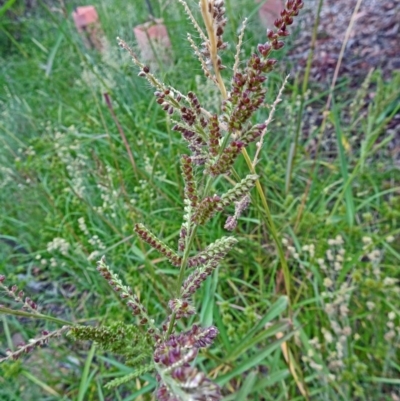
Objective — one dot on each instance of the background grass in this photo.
(62, 159)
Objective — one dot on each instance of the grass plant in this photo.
(305, 304)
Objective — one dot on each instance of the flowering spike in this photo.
(240, 207)
(126, 294)
(239, 190)
(195, 142)
(226, 160)
(253, 134)
(186, 225)
(173, 357)
(215, 251)
(157, 244)
(32, 344)
(194, 281)
(194, 102)
(215, 136)
(206, 209)
(181, 308)
(190, 183)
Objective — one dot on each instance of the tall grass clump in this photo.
(168, 347)
(247, 241)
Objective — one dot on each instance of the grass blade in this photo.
(350, 209)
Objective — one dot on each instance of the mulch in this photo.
(374, 44)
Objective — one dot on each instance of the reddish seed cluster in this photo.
(182, 239)
(216, 251)
(194, 102)
(197, 386)
(195, 143)
(176, 348)
(137, 309)
(196, 279)
(291, 10)
(188, 115)
(132, 301)
(214, 136)
(226, 160)
(18, 295)
(31, 304)
(181, 308)
(145, 70)
(190, 183)
(247, 93)
(164, 101)
(240, 207)
(252, 134)
(174, 356)
(153, 241)
(23, 348)
(206, 209)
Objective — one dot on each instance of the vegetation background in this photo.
(70, 193)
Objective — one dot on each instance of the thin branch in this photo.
(268, 121)
(212, 42)
(239, 47)
(193, 20)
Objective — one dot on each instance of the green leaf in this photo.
(251, 342)
(253, 361)
(8, 4)
(348, 194)
(247, 387)
(86, 378)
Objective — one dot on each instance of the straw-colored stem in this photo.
(212, 39)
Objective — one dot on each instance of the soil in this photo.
(374, 44)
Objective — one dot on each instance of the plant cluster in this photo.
(214, 141)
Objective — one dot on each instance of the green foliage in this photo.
(118, 338)
(71, 195)
(125, 379)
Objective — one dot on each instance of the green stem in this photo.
(272, 228)
(9, 311)
(185, 259)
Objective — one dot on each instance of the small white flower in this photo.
(339, 240)
(370, 305)
(346, 331)
(338, 266)
(329, 309)
(366, 240)
(344, 310)
(328, 336)
(390, 335)
(389, 239)
(316, 366)
(389, 281)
